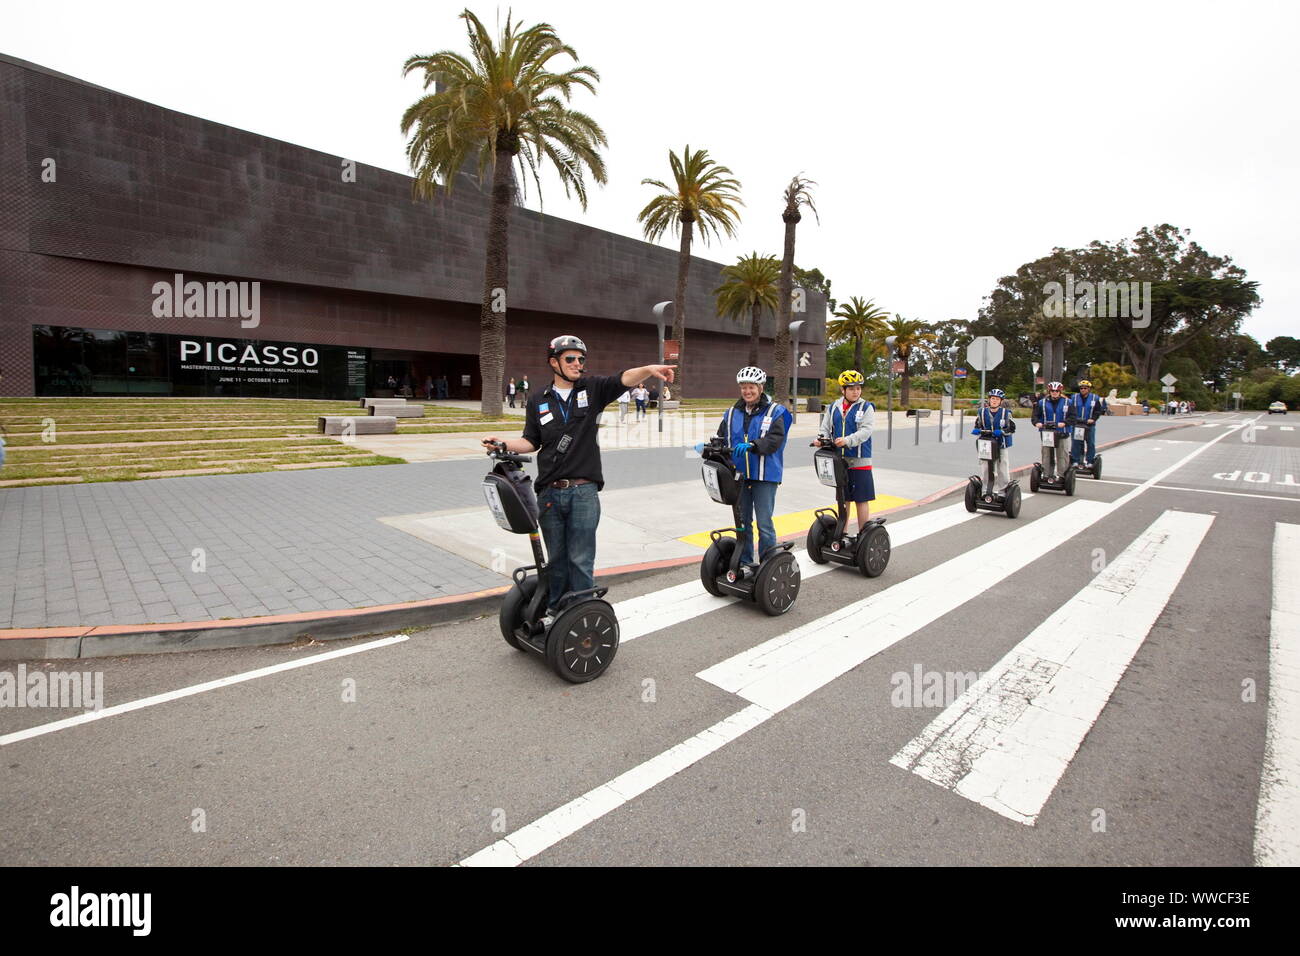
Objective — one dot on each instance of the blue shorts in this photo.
(862, 486)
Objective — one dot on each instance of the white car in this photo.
(1277, 407)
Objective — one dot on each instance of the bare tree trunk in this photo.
(496, 274)
(754, 326)
(679, 310)
(905, 379)
(785, 289)
(857, 352)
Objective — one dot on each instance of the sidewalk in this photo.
(308, 548)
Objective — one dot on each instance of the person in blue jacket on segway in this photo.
(1051, 417)
(993, 489)
(756, 428)
(1085, 409)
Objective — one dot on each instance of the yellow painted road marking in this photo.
(802, 520)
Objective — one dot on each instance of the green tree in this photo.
(911, 339)
(858, 322)
(502, 105)
(701, 195)
(1284, 351)
(814, 281)
(750, 287)
(796, 195)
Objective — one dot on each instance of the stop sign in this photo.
(984, 353)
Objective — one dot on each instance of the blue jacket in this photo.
(838, 424)
(765, 429)
(1081, 411)
(998, 420)
(1052, 412)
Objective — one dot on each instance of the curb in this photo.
(71, 642)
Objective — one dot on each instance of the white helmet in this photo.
(751, 374)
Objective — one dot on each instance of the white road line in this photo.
(1237, 494)
(1006, 742)
(1260, 428)
(657, 610)
(1287, 428)
(577, 813)
(171, 695)
(1277, 822)
(548, 830)
(787, 668)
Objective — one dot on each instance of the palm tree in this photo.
(500, 106)
(750, 288)
(910, 335)
(860, 321)
(796, 194)
(702, 193)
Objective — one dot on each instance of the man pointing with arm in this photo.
(560, 425)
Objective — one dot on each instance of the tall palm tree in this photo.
(911, 335)
(861, 322)
(702, 194)
(796, 194)
(501, 106)
(750, 288)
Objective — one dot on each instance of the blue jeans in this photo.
(1076, 446)
(568, 517)
(758, 498)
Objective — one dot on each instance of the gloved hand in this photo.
(997, 433)
(974, 431)
(699, 447)
(743, 447)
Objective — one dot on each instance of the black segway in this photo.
(1045, 475)
(1090, 469)
(774, 583)
(828, 538)
(979, 490)
(582, 639)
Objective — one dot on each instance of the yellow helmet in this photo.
(851, 377)
(1084, 383)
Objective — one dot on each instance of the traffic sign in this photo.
(984, 353)
(1236, 394)
(1167, 389)
(1168, 379)
(959, 373)
(899, 367)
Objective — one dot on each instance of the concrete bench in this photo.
(398, 411)
(670, 404)
(374, 425)
(372, 402)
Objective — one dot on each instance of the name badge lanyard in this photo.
(563, 405)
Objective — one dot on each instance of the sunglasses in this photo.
(580, 359)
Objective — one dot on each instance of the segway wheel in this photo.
(1096, 467)
(818, 534)
(513, 608)
(972, 495)
(716, 561)
(583, 641)
(1035, 476)
(777, 584)
(873, 551)
(1070, 477)
(1011, 501)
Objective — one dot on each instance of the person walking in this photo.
(523, 390)
(510, 391)
(641, 395)
(560, 424)
(623, 401)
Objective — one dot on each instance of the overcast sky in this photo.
(951, 143)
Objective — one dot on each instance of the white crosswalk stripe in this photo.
(1277, 821)
(1008, 740)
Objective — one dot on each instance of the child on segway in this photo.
(1051, 418)
(993, 489)
(843, 461)
(1085, 409)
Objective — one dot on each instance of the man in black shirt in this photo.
(560, 425)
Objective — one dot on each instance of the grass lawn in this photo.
(124, 439)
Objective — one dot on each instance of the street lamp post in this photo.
(794, 369)
(659, 321)
(889, 436)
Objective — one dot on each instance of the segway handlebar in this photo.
(499, 453)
